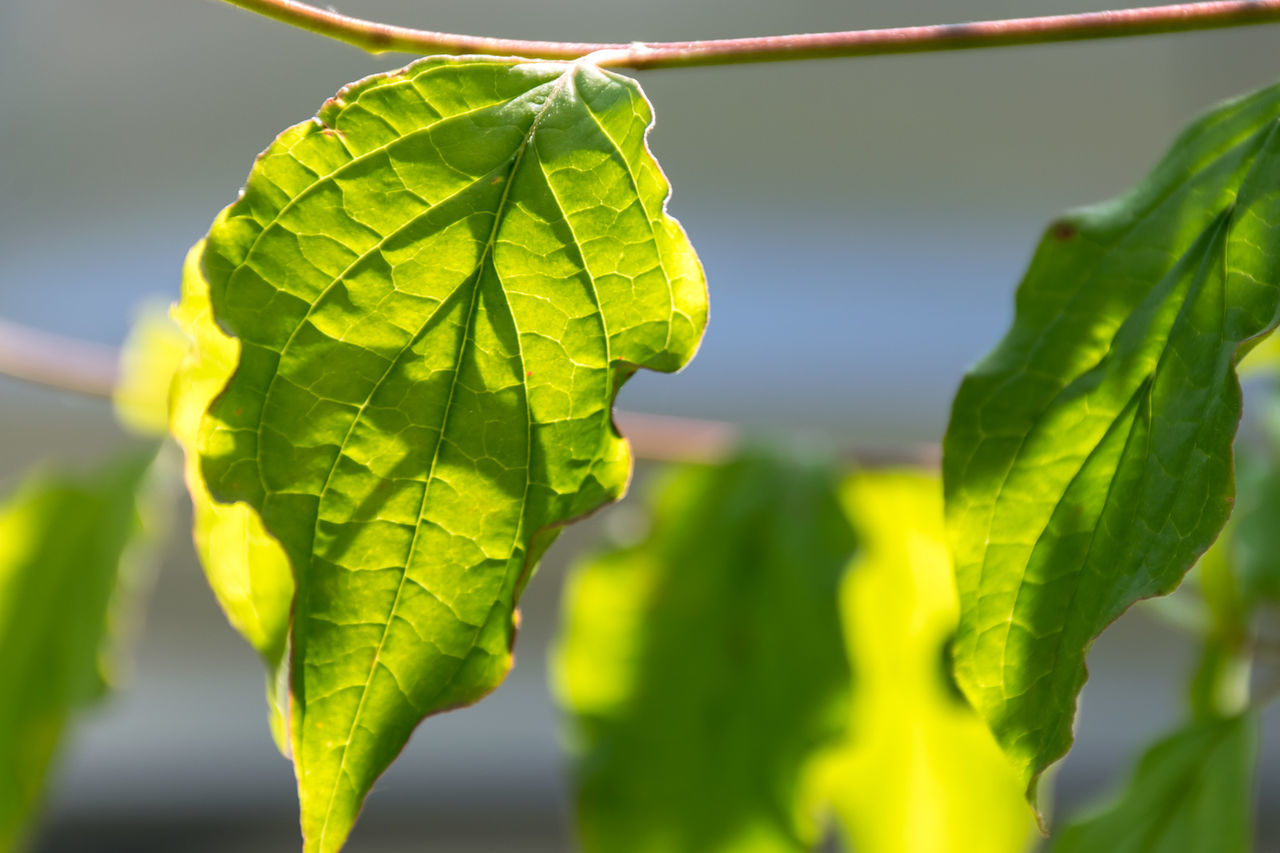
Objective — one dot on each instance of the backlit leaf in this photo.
(1192, 792)
(919, 772)
(436, 289)
(63, 540)
(704, 668)
(246, 568)
(1088, 461)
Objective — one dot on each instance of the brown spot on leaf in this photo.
(1063, 231)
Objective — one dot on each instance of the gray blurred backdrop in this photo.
(863, 224)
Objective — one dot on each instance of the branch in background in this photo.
(56, 361)
(381, 38)
(662, 438)
(73, 365)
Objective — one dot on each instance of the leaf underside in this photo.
(62, 540)
(1191, 792)
(437, 288)
(704, 668)
(1089, 457)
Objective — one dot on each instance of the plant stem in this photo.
(67, 364)
(380, 38)
(56, 361)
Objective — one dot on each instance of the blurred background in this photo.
(863, 224)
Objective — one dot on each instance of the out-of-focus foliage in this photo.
(1191, 793)
(1255, 543)
(920, 772)
(695, 665)
(436, 288)
(704, 668)
(68, 563)
(148, 361)
(1088, 460)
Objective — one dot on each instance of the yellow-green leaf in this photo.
(437, 288)
(919, 771)
(149, 359)
(245, 566)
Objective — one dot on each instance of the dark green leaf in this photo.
(1192, 793)
(1088, 460)
(705, 667)
(62, 542)
(437, 288)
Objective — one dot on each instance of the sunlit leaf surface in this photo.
(919, 772)
(1088, 461)
(245, 566)
(435, 288)
(62, 543)
(704, 668)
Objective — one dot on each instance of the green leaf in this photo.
(1192, 792)
(704, 668)
(1255, 541)
(149, 359)
(1088, 460)
(437, 287)
(63, 540)
(919, 772)
(246, 568)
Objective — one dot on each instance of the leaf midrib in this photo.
(486, 256)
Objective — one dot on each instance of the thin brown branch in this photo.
(55, 361)
(68, 364)
(381, 38)
(663, 438)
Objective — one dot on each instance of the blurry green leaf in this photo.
(920, 772)
(1088, 460)
(150, 357)
(437, 286)
(62, 543)
(1192, 793)
(704, 668)
(1255, 535)
(1220, 684)
(246, 568)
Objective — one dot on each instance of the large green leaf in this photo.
(1088, 460)
(62, 543)
(704, 668)
(1192, 793)
(437, 287)
(919, 772)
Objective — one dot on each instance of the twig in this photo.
(56, 361)
(73, 365)
(376, 37)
